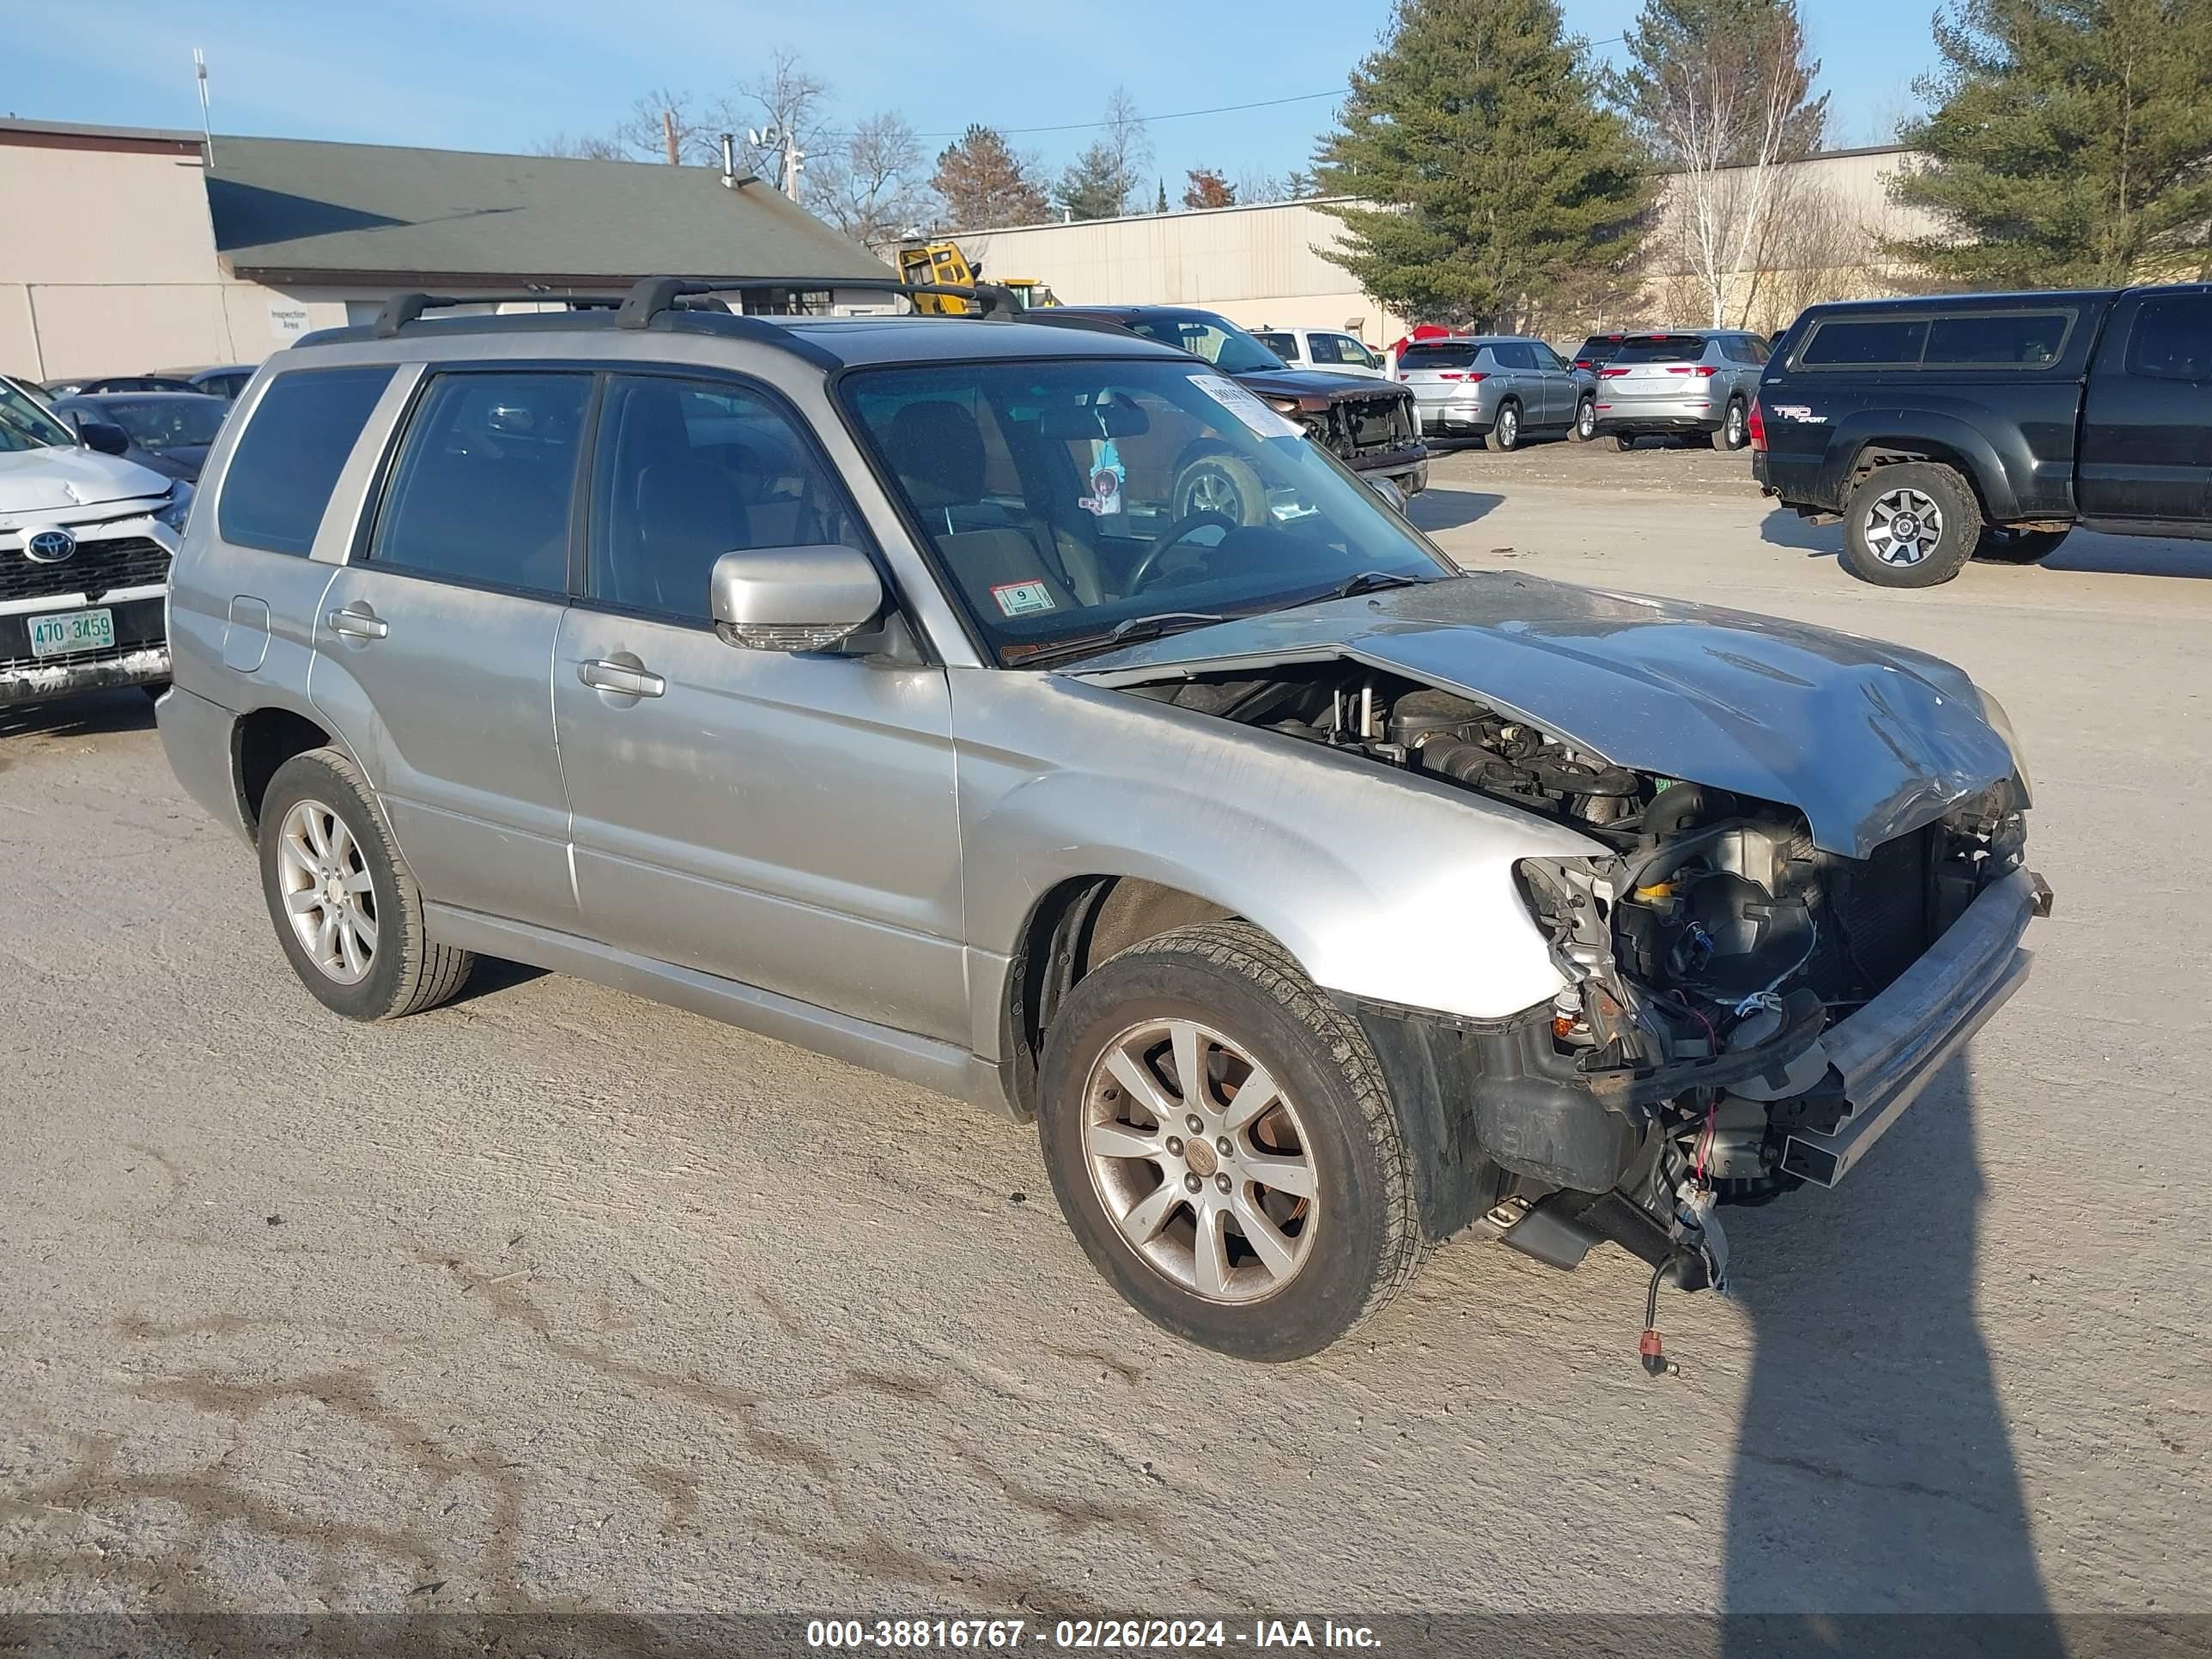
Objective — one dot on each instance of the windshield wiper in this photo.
(1367, 581)
(1153, 627)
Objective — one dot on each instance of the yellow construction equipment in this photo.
(943, 262)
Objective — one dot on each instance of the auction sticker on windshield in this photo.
(1245, 407)
(66, 631)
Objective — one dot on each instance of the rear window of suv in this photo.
(1660, 349)
(2021, 339)
(288, 459)
(1456, 354)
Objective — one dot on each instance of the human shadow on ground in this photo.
(1874, 1473)
(1435, 510)
(2087, 550)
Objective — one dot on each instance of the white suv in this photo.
(1329, 349)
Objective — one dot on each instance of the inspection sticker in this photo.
(1245, 407)
(1023, 599)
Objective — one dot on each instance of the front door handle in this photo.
(358, 621)
(629, 679)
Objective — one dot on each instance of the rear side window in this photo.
(1661, 348)
(2171, 339)
(1459, 354)
(1513, 354)
(483, 485)
(1742, 348)
(288, 459)
(1861, 343)
(2023, 340)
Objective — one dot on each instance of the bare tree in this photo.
(784, 105)
(1258, 185)
(671, 127)
(1126, 137)
(873, 184)
(1730, 116)
(1815, 250)
(585, 146)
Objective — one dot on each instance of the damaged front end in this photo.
(1744, 1010)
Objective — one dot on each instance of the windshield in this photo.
(24, 425)
(177, 422)
(1061, 500)
(1220, 342)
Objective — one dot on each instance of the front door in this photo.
(2147, 420)
(432, 655)
(784, 820)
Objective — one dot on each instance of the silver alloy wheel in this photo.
(1903, 526)
(329, 898)
(1509, 427)
(1200, 1160)
(1735, 426)
(1586, 421)
(1211, 490)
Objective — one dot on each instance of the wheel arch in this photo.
(262, 740)
(1942, 440)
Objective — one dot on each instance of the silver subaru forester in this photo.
(854, 681)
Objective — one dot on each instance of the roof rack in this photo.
(402, 309)
(657, 295)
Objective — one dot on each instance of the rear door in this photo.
(2147, 418)
(434, 652)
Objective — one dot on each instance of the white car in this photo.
(1329, 349)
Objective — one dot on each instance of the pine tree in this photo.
(1163, 206)
(1096, 184)
(984, 183)
(1499, 184)
(2071, 143)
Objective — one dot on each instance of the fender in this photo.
(1995, 456)
(1383, 884)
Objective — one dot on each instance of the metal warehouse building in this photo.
(151, 253)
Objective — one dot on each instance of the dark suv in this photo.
(1373, 429)
(1988, 425)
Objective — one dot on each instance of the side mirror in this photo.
(102, 435)
(794, 598)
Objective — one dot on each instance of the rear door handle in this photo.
(358, 621)
(603, 676)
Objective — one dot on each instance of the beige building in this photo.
(129, 251)
(1260, 266)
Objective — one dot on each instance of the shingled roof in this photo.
(301, 209)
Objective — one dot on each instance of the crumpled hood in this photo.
(1316, 385)
(1869, 740)
(36, 480)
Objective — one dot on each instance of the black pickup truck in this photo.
(1988, 426)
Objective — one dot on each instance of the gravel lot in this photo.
(555, 1298)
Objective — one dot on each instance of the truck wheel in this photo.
(1911, 525)
(1735, 430)
(347, 915)
(2007, 546)
(1586, 420)
(1506, 434)
(1221, 1141)
(1218, 482)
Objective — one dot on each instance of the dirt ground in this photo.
(556, 1298)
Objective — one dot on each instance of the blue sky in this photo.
(497, 74)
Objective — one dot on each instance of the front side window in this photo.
(2171, 339)
(482, 489)
(287, 460)
(1325, 349)
(1061, 500)
(691, 469)
(25, 425)
(1547, 358)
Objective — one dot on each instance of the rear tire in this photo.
(1506, 434)
(2002, 546)
(1325, 1258)
(1585, 421)
(1911, 525)
(347, 915)
(1735, 431)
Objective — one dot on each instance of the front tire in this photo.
(2005, 546)
(1280, 1222)
(1506, 434)
(347, 913)
(1911, 525)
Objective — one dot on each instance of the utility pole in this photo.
(207, 135)
(668, 136)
